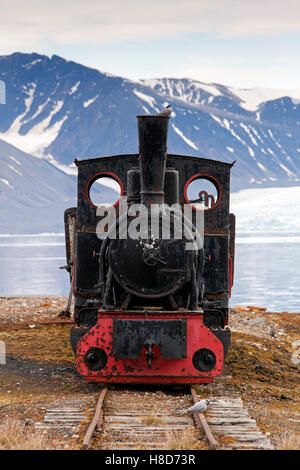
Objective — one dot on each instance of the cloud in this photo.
(35, 23)
(247, 76)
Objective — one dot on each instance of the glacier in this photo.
(267, 210)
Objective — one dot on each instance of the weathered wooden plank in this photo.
(228, 416)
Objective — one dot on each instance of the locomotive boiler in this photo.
(151, 273)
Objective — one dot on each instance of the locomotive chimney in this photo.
(153, 133)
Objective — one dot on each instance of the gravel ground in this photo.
(262, 366)
(30, 309)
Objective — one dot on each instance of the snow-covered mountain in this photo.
(191, 91)
(258, 127)
(58, 110)
(62, 110)
(34, 193)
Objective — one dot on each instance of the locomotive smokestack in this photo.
(153, 134)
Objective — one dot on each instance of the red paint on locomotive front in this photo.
(162, 370)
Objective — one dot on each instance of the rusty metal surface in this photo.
(232, 245)
(170, 272)
(126, 275)
(202, 423)
(187, 167)
(153, 134)
(137, 369)
(129, 337)
(216, 220)
(70, 223)
(96, 421)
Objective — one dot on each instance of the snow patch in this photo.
(288, 172)
(15, 160)
(87, 103)
(263, 168)
(31, 64)
(251, 152)
(69, 169)
(211, 89)
(216, 119)
(246, 129)
(7, 183)
(74, 88)
(148, 99)
(14, 169)
(270, 134)
(16, 125)
(252, 98)
(40, 136)
(226, 124)
(38, 111)
(186, 140)
(190, 91)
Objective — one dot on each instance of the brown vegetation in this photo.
(14, 435)
(41, 368)
(186, 440)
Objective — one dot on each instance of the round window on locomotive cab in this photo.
(202, 192)
(104, 190)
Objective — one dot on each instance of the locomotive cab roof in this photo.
(79, 162)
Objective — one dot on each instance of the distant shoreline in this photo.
(44, 234)
(241, 308)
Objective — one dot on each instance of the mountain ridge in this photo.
(61, 110)
(34, 193)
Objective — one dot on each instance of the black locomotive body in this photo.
(150, 307)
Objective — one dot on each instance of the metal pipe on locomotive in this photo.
(147, 309)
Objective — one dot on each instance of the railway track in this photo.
(139, 419)
(147, 418)
(142, 419)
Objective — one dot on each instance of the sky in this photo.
(242, 43)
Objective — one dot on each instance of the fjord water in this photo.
(30, 265)
(267, 268)
(267, 271)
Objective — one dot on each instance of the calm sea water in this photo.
(267, 268)
(30, 265)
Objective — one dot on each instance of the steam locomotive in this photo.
(151, 283)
